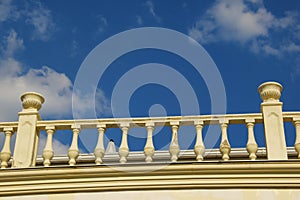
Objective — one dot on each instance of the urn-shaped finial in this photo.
(32, 100)
(270, 91)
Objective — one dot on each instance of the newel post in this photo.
(271, 109)
(27, 134)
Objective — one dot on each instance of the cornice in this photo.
(160, 176)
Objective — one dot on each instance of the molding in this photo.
(158, 121)
(124, 177)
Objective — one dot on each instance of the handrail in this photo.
(141, 121)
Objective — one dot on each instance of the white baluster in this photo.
(48, 150)
(224, 146)
(199, 148)
(6, 153)
(297, 142)
(251, 144)
(99, 150)
(124, 150)
(149, 147)
(174, 146)
(74, 151)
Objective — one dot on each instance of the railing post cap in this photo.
(269, 83)
(32, 100)
(270, 91)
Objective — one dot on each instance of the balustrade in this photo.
(271, 109)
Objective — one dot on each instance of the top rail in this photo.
(158, 121)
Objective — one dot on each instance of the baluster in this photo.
(297, 142)
(199, 148)
(73, 151)
(48, 150)
(124, 150)
(149, 147)
(6, 153)
(99, 150)
(251, 144)
(224, 146)
(174, 146)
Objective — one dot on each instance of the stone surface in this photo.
(271, 108)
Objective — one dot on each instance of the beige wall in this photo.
(245, 194)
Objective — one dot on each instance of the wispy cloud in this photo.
(11, 44)
(246, 22)
(74, 48)
(151, 8)
(8, 11)
(41, 20)
(102, 23)
(139, 20)
(34, 15)
(295, 74)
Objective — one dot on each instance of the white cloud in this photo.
(7, 11)
(12, 44)
(41, 20)
(245, 22)
(54, 86)
(287, 21)
(270, 50)
(83, 102)
(291, 47)
(232, 21)
(152, 11)
(10, 67)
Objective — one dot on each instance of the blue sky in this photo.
(44, 43)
